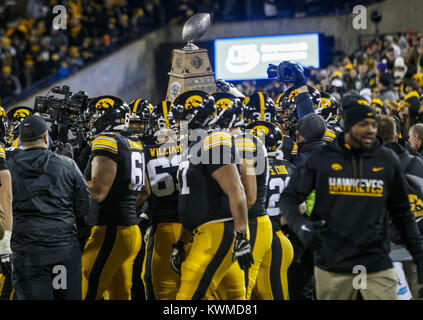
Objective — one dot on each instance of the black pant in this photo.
(54, 281)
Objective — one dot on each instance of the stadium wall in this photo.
(130, 72)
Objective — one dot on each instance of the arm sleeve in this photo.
(400, 213)
(81, 196)
(299, 187)
(304, 104)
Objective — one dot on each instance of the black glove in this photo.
(178, 256)
(288, 72)
(5, 264)
(242, 250)
(309, 234)
(272, 71)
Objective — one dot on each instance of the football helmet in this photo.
(329, 109)
(139, 117)
(161, 120)
(287, 108)
(4, 125)
(197, 107)
(259, 107)
(269, 134)
(229, 110)
(15, 116)
(107, 113)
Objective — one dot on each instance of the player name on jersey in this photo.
(165, 150)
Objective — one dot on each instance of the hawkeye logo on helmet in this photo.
(193, 102)
(104, 103)
(260, 131)
(223, 104)
(21, 113)
(325, 103)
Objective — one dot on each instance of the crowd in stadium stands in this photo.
(31, 48)
(387, 71)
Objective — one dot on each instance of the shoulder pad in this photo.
(217, 139)
(105, 142)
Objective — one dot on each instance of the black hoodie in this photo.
(49, 196)
(355, 189)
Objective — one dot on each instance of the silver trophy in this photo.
(194, 29)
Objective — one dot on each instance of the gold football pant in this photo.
(161, 282)
(272, 279)
(209, 263)
(107, 262)
(261, 242)
(6, 290)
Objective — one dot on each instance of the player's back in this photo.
(162, 162)
(280, 174)
(118, 208)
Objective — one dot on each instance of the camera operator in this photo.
(50, 197)
(66, 117)
(291, 75)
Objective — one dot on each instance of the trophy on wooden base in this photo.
(191, 67)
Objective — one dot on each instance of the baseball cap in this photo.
(31, 128)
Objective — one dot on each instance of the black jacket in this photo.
(49, 196)
(305, 148)
(355, 190)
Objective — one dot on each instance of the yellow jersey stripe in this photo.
(245, 143)
(112, 144)
(330, 134)
(217, 144)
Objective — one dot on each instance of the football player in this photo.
(331, 112)
(212, 205)
(162, 163)
(115, 175)
(6, 291)
(254, 174)
(15, 116)
(139, 122)
(282, 251)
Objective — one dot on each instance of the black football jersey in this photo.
(162, 163)
(280, 174)
(201, 199)
(119, 207)
(250, 147)
(289, 149)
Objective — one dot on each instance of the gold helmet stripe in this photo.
(261, 97)
(135, 108)
(164, 107)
